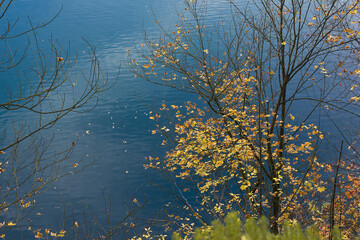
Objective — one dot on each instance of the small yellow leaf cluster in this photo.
(48, 232)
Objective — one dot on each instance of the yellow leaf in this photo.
(321, 189)
(38, 235)
(292, 117)
(243, 187)
(11, 224)
(271, 72)
(26, 205)
(283, 43)
(62, 233)
(2, 236)
(76, 224)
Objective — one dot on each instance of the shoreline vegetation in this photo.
(252, 229)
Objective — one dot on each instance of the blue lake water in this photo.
(117, 134)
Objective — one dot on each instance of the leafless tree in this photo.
(47, 91)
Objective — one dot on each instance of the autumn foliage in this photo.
(240, 146)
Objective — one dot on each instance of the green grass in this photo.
(234, 229)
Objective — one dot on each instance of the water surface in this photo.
(117, 134)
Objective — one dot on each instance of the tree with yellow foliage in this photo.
(240, 147)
